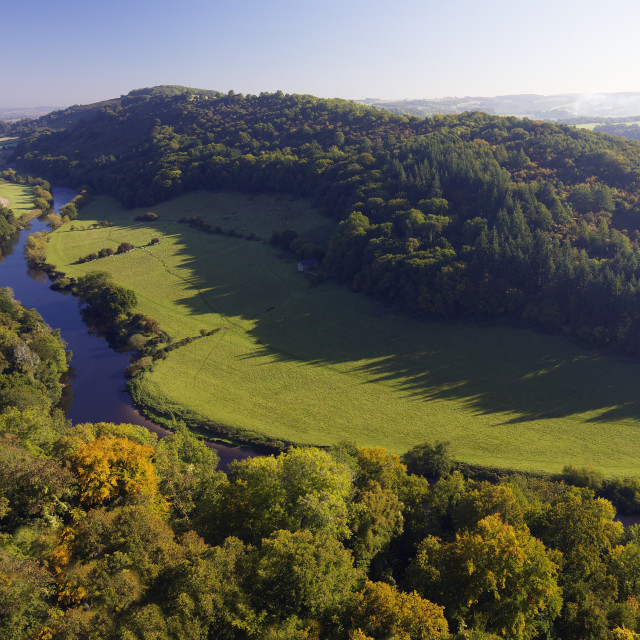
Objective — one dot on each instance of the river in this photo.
(97, 381)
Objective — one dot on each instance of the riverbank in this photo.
(314, 365)
(95, 385)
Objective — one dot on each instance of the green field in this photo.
(315, 365)
(20, 197)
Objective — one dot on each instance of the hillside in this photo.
(455, 215)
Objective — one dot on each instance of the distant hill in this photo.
(563, 107)
(69, 116)
(454, 215)
(20, 113)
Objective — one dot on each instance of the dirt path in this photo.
(4, 202)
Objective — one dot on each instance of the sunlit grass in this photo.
(20, 197)
(315, 365)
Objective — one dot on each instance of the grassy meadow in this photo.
(318, 364)
(20, 197)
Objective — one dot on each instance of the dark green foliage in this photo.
(106, 300)
(70, 210)
(431, 461)
(35, 487)
(150, 216)
(582, 477)
(624, 493)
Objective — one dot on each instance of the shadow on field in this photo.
(492, 369)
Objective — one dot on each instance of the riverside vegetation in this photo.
(107, 533)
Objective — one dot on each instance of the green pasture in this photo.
(20, 198)
(318, 364)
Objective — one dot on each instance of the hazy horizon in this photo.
(80, 53)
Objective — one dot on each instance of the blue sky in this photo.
(76, 52)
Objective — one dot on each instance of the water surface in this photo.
(96, 382)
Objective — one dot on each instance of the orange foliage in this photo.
(109, 468)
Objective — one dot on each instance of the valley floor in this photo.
(318, 364)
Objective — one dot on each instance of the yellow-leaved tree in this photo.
(111, 469)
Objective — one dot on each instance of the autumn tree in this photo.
(382, 611)
(111, 469)
(495, 577)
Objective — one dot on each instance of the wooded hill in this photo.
(466, 214)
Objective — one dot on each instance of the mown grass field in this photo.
(20, 198)
(315, 365)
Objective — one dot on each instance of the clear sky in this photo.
(67, 52)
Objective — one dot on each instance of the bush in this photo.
(431, 461)
(150, 216)
(137, 342)
(586, 477)
(125, 247)
(137, 366)
(70, 210)
(35, 248)
(624, 493)
(62, 284)
(42, 204)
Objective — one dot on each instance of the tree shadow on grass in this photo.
(491, 369)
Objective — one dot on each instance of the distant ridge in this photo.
(13, 114)
(568, 107)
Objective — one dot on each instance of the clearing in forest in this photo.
(318, 364)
